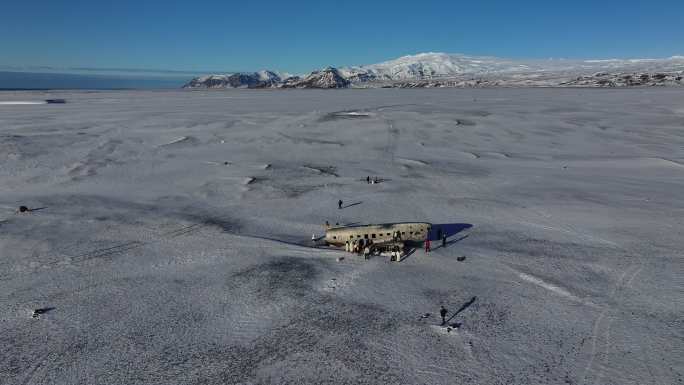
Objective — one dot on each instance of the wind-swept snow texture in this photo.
(170, 241)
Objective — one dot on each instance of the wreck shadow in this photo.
(438, 244)
(457, 239)
(448, 229)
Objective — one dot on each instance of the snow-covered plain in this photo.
(171, 242)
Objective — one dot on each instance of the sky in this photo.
(203, 36)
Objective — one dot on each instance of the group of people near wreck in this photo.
(365, 246)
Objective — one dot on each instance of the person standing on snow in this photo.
(427, 243)
(443, 312)
(339, 204)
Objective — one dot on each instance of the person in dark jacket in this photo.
(339, 204)
(444, 240)
(443, 312)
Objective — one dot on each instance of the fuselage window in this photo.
(365, 236)
(334, 237)
(373, 235)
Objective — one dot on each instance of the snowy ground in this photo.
(170, 247)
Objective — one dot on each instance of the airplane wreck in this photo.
(394, 239)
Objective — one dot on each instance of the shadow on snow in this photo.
(449, 229)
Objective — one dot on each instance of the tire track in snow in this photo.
(612, 318)
(570, 231)
(391, 348)
(605, 314)
(392, 139)
(35, 369)
(566, 228)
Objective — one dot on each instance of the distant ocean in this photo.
(41, 81)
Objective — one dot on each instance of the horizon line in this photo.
(180, 72)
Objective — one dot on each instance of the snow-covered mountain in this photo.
(327, 78)
(428, 65)
(258, 79)
(456, 70)
(439, 65)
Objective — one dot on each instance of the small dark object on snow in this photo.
(461, 259)
(38, 312)
(426, 315)
(225, 163)
(55, 101)
(23, 209)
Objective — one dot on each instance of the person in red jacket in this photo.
(427, 243)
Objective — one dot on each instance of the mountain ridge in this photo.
(437, 69)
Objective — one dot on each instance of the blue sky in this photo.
(298, 36)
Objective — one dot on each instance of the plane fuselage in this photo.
(387, 232)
